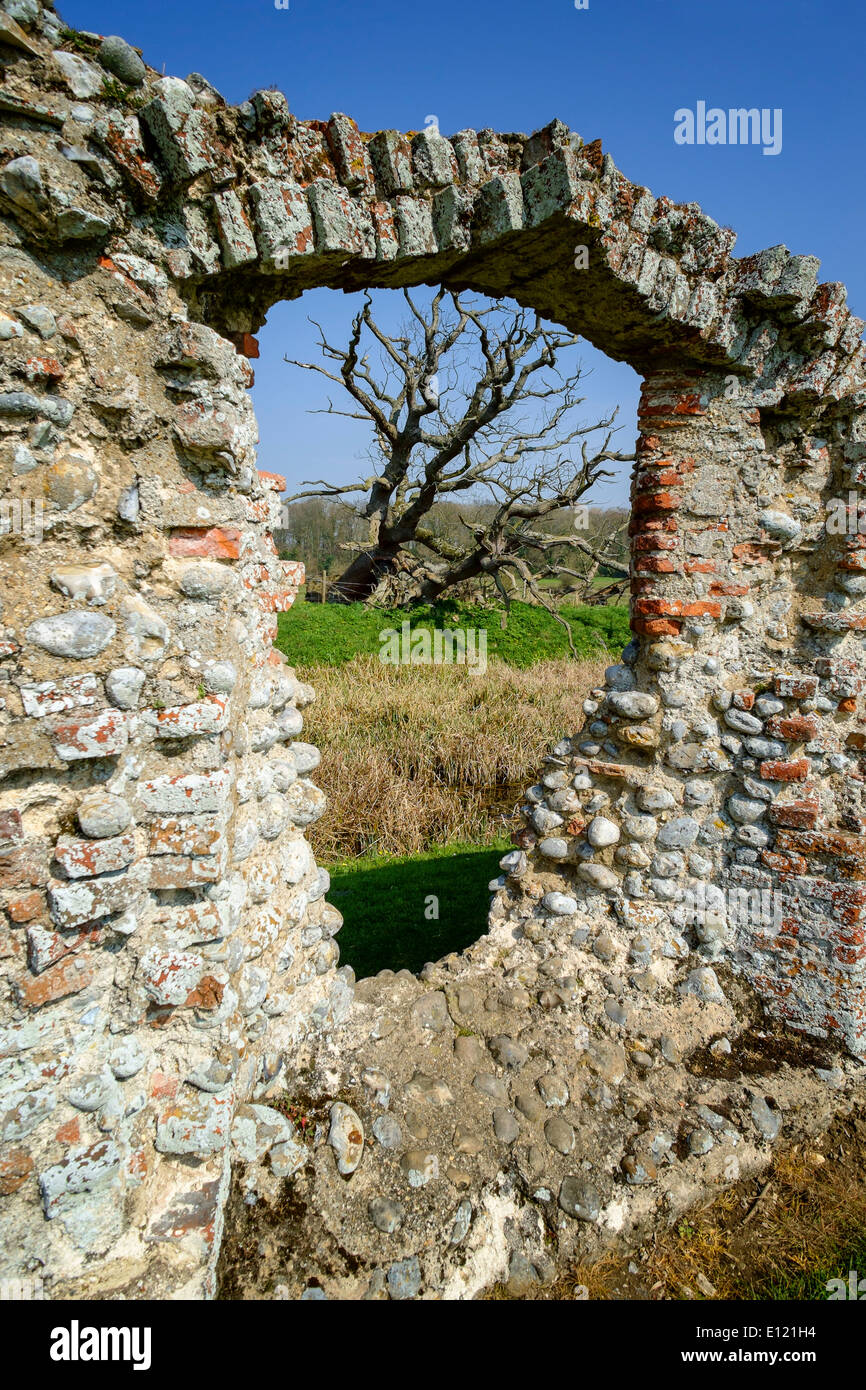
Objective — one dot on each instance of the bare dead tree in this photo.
(509, 436)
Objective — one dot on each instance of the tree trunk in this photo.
(360, 579)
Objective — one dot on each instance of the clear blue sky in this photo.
(617, 70)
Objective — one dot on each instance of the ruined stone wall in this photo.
(168, 952)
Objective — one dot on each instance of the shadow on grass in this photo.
(400, 913)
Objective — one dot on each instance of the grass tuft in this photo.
(414, 756)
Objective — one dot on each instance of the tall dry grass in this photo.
(414, 756)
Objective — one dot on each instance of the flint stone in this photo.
(419, 1167)
(679, 833)
(404, 1279)
(121, 59)
(76, 634)
(387, 1131)
(602, 832)
(102, 816)
(256, 1129)
(745, 810)
(619, 678)
(742, 721)
(505, 1127)
(431, 1012)
(704, 984)
(766, 1121)
(346, 1137)
(632, 704)
(560, 904)
(579, 1198)
(123, 686)
(654, 799)
(508, 1052)
(559, 1134)
(386, 1216)
(598, 876)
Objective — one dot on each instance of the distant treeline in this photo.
(315, 530)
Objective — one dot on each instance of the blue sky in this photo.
(616, 70)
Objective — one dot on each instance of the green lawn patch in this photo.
(387, 905)
(314, 634)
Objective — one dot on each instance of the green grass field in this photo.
(384, 901)
(313, 634)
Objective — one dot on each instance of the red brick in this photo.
(656, 502)
(750, 554)
(207, 716)
(650, 541)
(791, 864)
(795, 687)
(847, 851)
(280, 600)
(182, 871)
(46, 947)
(207, 995)
(659, 478)
(650, 443)
(214, 542)
(163, 1086)
(22, 868)
(744, 699)
(796, 771)
(701, 567)
(848, 705)
(27, 907)
(16, 1165)
(274, 482)
(659, 607)
(70, 1133)
(702, 609)
(11, 828)
(657, 627)
(85, 858)
(798, 728)
(101, 737)
(69, 976)
(617, 771)
(655, 564)
(43, 369)
(721, 589)
(185, 835)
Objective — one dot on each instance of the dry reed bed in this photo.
(419, 755)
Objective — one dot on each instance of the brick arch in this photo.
(168, 949)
